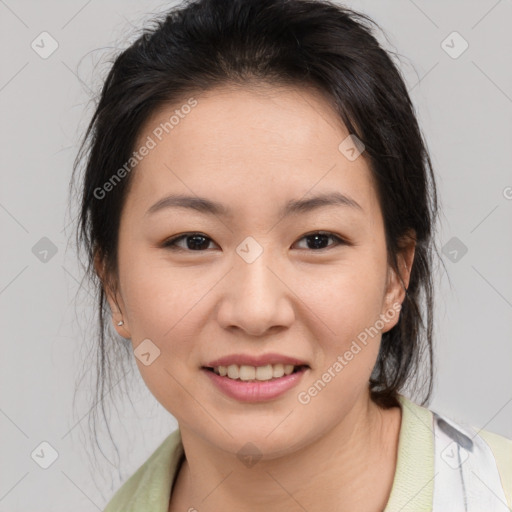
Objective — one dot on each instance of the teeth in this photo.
(244, 372)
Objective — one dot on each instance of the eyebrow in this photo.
(294, 206)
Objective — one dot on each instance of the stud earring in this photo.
(120, 323)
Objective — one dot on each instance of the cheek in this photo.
(344, 320)
(343, 311)
(159, 298)
(163, 306)
(346, 297)
(166, 378)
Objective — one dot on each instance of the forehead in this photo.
(251, 144)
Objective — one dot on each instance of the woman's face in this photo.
(256, 280)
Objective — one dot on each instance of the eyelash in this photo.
(171, 242)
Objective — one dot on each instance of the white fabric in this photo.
(466, 477)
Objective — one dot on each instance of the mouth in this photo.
(246, 373)
(252, 384)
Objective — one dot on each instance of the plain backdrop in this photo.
(464, 105)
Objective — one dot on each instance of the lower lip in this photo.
(261, 391)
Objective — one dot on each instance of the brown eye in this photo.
(193, 242)
(319, 240)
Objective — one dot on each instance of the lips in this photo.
(248, 360)
(251, 391)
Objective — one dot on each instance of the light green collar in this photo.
(413, 486)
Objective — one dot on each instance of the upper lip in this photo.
(262, 360)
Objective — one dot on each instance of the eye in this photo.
(200, 242)
(318, 239)
(194, 242)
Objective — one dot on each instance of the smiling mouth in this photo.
(246, 373)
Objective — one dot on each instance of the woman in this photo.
(259, 206)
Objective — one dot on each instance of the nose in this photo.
(256, 296)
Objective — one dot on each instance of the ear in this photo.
(397, 283)
(114, 299)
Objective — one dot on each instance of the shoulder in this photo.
(463, 454)
(149, 487)
(502, 450)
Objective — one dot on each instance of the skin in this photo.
(253, 149)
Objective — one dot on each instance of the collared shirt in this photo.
(149, 488)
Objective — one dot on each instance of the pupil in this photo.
(316, 241)
(195, 245)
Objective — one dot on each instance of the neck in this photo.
(350, 467)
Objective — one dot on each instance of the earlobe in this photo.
(118, 321)
(398, 282)
(120, 327)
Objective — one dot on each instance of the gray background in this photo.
(464, 106)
